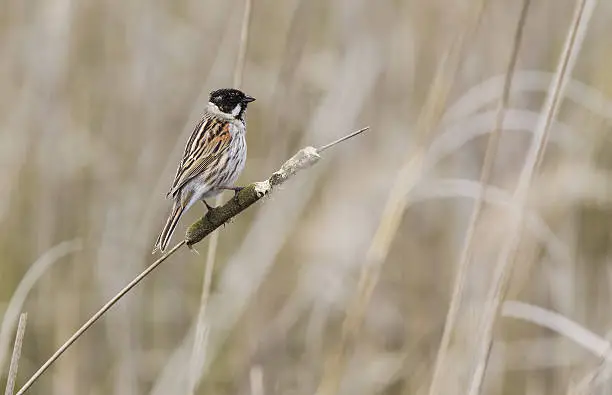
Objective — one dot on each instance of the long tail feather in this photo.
(169, 227)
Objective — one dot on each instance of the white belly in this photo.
(198, 188)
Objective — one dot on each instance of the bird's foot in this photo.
(208, 206)
(235, 189)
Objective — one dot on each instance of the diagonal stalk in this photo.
(487, 168)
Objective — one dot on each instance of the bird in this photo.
(214, 157)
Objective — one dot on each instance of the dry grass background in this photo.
(97, 98)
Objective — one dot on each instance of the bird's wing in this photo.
(209, 140)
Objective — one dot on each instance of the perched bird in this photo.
(213, 158)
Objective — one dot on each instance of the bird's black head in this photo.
(231, 101)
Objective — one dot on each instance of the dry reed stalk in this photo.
(503, 269)
(487, 168)
(597, 377)
(198, 355)
(34, 273)
(14, 366)
(96, 317)
(396, 204)
(593, 379)
(256, 380)
(244, 42)
(216, 217)
(556, 322)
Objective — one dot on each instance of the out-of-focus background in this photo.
(98, 97)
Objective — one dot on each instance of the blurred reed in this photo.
(96, 100)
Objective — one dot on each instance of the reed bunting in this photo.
(213, 158)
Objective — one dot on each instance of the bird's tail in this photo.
(166, 234)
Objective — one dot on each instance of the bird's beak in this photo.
(248, 99)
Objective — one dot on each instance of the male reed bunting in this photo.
(213, 158)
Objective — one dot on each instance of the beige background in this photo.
(98, 97)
